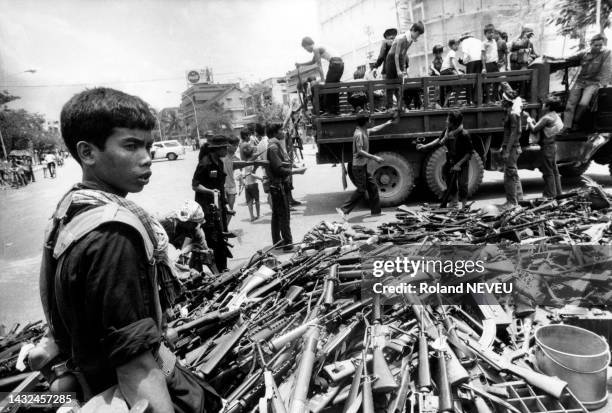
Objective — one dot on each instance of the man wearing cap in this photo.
(471, 48)
(511, 149)
(209, 183)
(389, 35)
(363, 179)
(522, 54)
(595, 72)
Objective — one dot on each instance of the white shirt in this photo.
(490, 49)
(471, 48)
(446, 63)
(262, 149)
(49, 158)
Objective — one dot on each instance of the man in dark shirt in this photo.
(279, 171)
(101, 299)
(459, 150)
(385, 46)
(511, 148)
(209, 185)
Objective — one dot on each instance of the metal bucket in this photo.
(578, 356)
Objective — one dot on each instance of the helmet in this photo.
(491, 211)
(190, 211)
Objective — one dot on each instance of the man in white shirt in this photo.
(450, 66)
(472, 59)
(490, 59)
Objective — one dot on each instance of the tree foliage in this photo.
(172, 124)
(573, 16)
(25, 130)
(263, 106)
(214, 117)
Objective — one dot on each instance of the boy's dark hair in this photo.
(307, 41)
(452, 42)
(455, 117)
(438, 49)
(362, 120)
(418, 27)
(489, 28)
(273, 129)
(504, 36)
(233, 140)
(244, 134)
(554, 103)
(260, 129)
(92, 115)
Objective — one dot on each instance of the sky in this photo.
(144, 47)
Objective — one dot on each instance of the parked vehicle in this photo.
(167, 149)
(404, 166)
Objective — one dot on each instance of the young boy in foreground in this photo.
(104, 292)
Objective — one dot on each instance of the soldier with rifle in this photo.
(208, 184)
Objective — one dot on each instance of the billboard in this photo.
(195, 76)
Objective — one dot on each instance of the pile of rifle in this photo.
(10, 345)
(301, 335)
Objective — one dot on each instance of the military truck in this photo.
(405, 167)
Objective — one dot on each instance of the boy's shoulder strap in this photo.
(87, 221)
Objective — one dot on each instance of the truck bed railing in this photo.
(477, 81)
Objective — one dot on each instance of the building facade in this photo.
(204, 96)
(354, 27)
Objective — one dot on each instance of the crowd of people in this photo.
(464, 55)
(19, 171)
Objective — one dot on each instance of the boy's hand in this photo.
(379, 159)
(299, 171)
(456, 167)
(420, 146)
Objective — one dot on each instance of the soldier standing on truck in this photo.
(511, 148)
(459, 150)
(389, 35)
(595, 68)
(364, 181)
(334, 71)
(396, 62)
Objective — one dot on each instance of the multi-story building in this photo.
(205, 95)
(354, 27)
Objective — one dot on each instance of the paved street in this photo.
(25, 212)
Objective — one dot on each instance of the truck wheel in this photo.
(433, 172)
(172, 156)
(571, 171)
(394, 177)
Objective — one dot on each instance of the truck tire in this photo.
(433, 172)
(172, 156)
(571, 171)
(394, 177)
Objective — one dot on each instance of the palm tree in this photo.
(171, 122)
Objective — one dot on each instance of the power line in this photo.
(117, 82)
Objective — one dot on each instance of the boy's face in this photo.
(596, 46)
(124, 164)
(489, 35)
(496, 35)
(309, 48)
(455, 47)
(414, 34)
